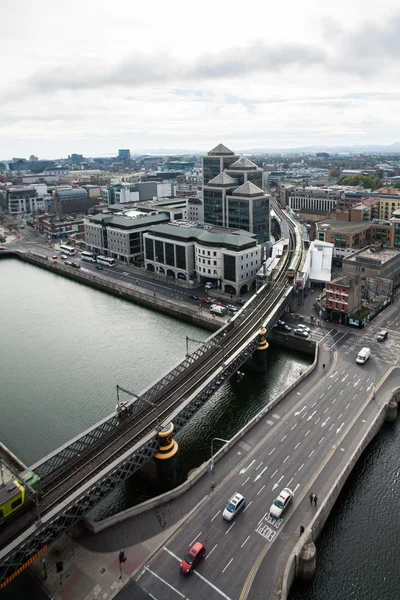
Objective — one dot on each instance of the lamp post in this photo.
(212, 458)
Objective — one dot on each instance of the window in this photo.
(16, 503)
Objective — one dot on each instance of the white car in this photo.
(63, 256)
(234, 506)
(303, 327)
(281, 503)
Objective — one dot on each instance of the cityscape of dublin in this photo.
(199, 287)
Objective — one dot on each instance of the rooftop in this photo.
(244, 164)
(343, 281)
(212, 236)
(372, 254)
(248, 189)
(223, 179)
(343, 226)
(220, 150)
(126, 222)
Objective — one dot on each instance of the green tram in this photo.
(14, 496)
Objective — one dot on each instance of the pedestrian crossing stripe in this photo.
(24, 566)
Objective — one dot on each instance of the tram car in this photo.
(14, 497)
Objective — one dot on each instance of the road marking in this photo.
(245, 481)
(311, 453)
(290, 482)
(197, 536)
(297, 445)
(274, 473)
(341, 392)
(246, 540)
(246, 468)
(330, 427)
(228, 530)
(278, 482)
(260, 490)
(298, 485)
(295, 425)
(347, 406)
(321, 440)
(286, 458)
(273, 450)
(223, 571)
(312, 405)
(329, 387)
(259, 475)
(340, 415)
(299, 411)
(333, 401)
(261, 463)
(311, 416)
(305, 414)
(307, 433)
(322, 395)
(166, 582)
(248, 505)
(284, 437)
(208, 555)
(325, 422)
(355, 396)
(345, 377)
(339, 429)
(319, 418)
(215, 516)
(300, 468)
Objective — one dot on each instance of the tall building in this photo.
(214, 198)
(248, 208)
(124, 154)
(216, 161)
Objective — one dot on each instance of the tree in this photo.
(365, 181)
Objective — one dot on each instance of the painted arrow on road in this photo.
(339, 429)
(300, 411)
(259, 475)
(248, 467)
(311, 416)
(325, 422)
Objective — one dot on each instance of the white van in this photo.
(218, 310)
(363, 356)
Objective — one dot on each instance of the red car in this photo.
(206, 300)
(192, 559)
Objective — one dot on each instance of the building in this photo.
(343, 298)
(310, 200)
(375, 262)
(123, 193)
(195, 210)
(244, 170)
(118, 236)
(248, 208)
(23, 200)
(124, 155)
(58, 227)
(346, 237)
(214, 198)
(72, 200)
(317, 266)
(186, 251)
(216, 161)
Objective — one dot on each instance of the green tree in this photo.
(365, 181)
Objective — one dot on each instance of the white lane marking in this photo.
(246, 540)
(312, 405)
(228, 530)
(337, 379)
(278, 482)
(311, 453)
(319, 418)
(341, 392)
(295, 425)
(245, 481)
(260, 490)
(246, 468)
(322, 395)
(347, 406)
(307, 433)
(333, 401)
(273, 450)
(298, 485)
(223, 571)
(339, 429)
(274, 473)
(326, 410)
(330, 427)
(248, 505)
(215, 516)
(284, 437)
(355, 396)
(166, 582)
(345, 377)
(263, 517)
(197, 536)
(357, 382)
(305, 414)
(261, 463)
(286, 458)
(340, 416)
(208, 554)
(321, 440)
(329, 387)
(311, 416)
(300, 411)
(347, 384)
(300, 468)
(325, 422)
(297, 445)
(259, 475)
(290, 482)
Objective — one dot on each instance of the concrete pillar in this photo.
(260, 355)
(165, 458)
(307, 562)
(391, 414)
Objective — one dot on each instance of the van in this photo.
(363, 356)
(382, 335)
(218, 310)
(208, 285)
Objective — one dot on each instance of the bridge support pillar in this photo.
(307, 562)
(166, 458)
(392, 409)
(259, 362)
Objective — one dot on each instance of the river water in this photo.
(63, 349)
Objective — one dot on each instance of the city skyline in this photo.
(89, 80)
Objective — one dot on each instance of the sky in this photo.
(93, 76)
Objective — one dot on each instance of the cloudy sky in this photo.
(93, 76)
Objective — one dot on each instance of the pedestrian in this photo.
(315, 500)
(311, 498)
(323, 367)
(301, 530)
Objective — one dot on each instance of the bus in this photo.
(106, 260)
(89, 256)
(67, 250)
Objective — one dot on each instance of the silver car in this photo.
(281, 503)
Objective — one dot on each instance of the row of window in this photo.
(337, 306)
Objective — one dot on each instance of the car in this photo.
(206, 300)
(300, 326)
(75, 265)
(301, 333)
(99, 267)
(193, 297)
(64, 256)
(218, 303)
(192, 558)
(281, 503)
(68, 262)
(382, 335)
(240, 301)
(286, 327)
(234, 506)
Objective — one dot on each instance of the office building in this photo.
(216, 161)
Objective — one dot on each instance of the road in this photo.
(294, 447)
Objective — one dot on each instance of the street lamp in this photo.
(212, 458)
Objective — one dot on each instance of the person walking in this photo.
(315, 500)
(323, 367)
(301, 530)
(311, 498)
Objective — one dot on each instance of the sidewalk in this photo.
(91, 565)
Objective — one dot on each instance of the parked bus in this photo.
(106, 260)
(89, 256)
(67, 250)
